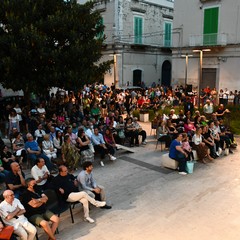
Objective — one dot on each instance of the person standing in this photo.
(12, 213)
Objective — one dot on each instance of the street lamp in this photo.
(115, 80)
(200, 71)
(186, 69)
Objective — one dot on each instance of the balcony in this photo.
(153, 39)
(208, 40)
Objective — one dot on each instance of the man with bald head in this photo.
(15, 180)
(12, 213)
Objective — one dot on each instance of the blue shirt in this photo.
(97, 139)
(33, 145)
(173, 151)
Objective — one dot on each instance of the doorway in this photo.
(137, 77)
(209, 77)
(166, 73)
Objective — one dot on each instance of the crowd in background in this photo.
(68, 129)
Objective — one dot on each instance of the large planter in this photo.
(144, 117)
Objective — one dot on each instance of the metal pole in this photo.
(186, 73)
(200, 76)
(115, 69)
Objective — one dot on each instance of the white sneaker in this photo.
(182, 173)
(219, 151)
(100, 204)
(88, 219)
(101, 163)
(144, 143)
(112, 158)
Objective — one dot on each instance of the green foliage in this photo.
(50, 43)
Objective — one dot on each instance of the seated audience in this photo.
(186, 147)
(88, 184)
(203, 151)
(83, 144)
(162, 134)
(141, 132)
(57, 142)
(41, 175)
(15, 180)
(70, 154)
(7, 158)
(100, 146)
(34, 152)
(177, 153)
(12, 214)
(66, 186)
(131, 132)
(36, 211)
(18, 148)
(47, 147)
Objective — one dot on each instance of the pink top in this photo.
(189, 127)
(186, 146)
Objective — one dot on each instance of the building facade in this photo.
(139, 39)
(212, 27)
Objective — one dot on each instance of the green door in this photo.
(138, 31)
(210, 31)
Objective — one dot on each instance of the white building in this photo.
(207, 24)
(139, 37)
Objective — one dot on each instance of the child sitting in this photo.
(186, 147)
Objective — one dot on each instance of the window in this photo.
(100, 23)
(210, 29)
(167, 34)
(138, 30)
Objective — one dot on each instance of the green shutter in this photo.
(100, 23)
(138, 31)
(167, 34)
(210, 29)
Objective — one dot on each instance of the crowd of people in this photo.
(66, 130)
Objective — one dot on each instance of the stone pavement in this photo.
(152, 203)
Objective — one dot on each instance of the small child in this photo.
(186, 147)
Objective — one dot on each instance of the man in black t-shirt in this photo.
(66, 186)
(15, 180)
(36, 212)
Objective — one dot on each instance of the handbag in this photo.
(121, 134)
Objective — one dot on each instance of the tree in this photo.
(50, 43)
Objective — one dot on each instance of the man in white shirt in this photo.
(39, 133)
(12, 212)
(208, 108)
(41, 174)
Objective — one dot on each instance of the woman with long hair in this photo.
(83, 144)
(203, 151)
(57, 142)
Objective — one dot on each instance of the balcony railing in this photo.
(156, 40)
(208, 40)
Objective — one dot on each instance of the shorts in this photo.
(36, 219)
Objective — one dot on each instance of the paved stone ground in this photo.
(152, 203)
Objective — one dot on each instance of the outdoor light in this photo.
(200, 71)
(186, 68)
